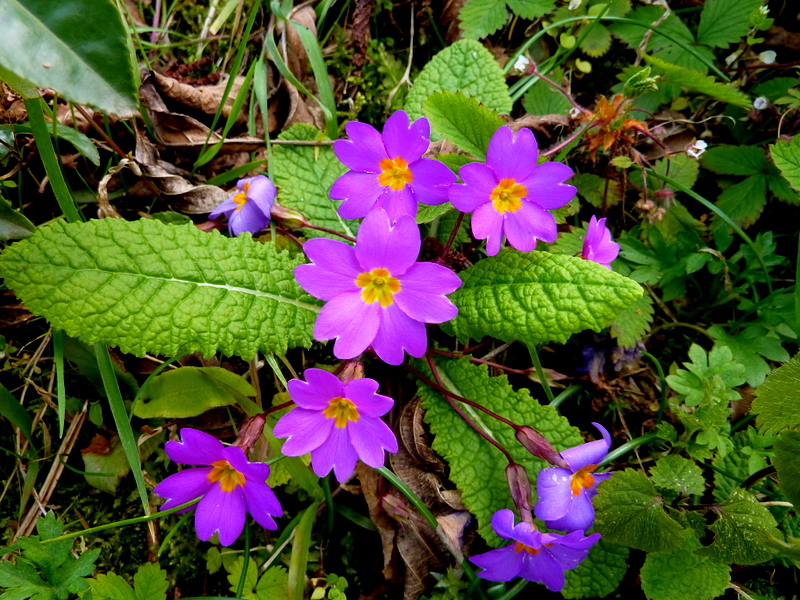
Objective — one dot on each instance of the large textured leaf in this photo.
(480, 18)
(697, 82)
(787, 462)
(538, 297)
(724, 22)
(634, 322)
(776, 404)
(462, 120)
(599, 574)
(465, 66)
(76, 47)
(149, 287)
(734, 160)
(477, 467)
(787, 158)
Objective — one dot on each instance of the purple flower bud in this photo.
(289, 217)
(520, 486)
(538, 445)
(250, 432)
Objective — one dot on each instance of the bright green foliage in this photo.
(428, 213)
(599, 574)
(742, 527)
(748, 348)
(149, 287)
(569, 243)
(776, 404)
(678, 474)
(724, 22)
(530, 9)
(634, 322)
(681, 573)
(12, 410)
(465, 66)
(787, 462)
(304, 176)
(630, 512)
(734, 160)
(190, 391)
(46, 571)
(272, 585)
(149, 583)
(596, 37)
(787, 158)
(695, 384)
(79, 50)
(597, 191)
(542, 99)
(640, 83)
(538, 297)
(480, 18)
(697, 82)
(81, 142)
(745, 458)
(462, 120)
(681, 168)
(774, 89)
(106, 468)
(477, 467)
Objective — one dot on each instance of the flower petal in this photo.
(579, 517)
(479, 182)
(222, 512)
(317, 390)
(360, 192)
(510, 156)
(349, 320)
(336, 453)
(362, 393)
(503, 523)
(545, 185)
(431, 182)
(544, 568)
(588, 454)
(502, 564)
(334, 269)
(363, 151)
(555, 493)
(399, 332)
(421, 295)
(527, 225)
(487, 224)
(381, 245)
(195, 448)
(262, 192)
(225, 207)
(306, 429)
(262, 503)
(370, 437)
(408, 142)
(249, 218)
(255, 472)
(398, 203)
(184, 486)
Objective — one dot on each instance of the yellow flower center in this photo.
(378, 285)
(582, 479)
(507, 196)
(241, 198)
(395, 173)
(343, 410)
(226, 475)
(519, 547)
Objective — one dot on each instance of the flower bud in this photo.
(250, 432)
(353, 369)
(538, 445)
(520, 486)
(760, 103)
(289, 217)
(768, 57)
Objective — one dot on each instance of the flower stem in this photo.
(245, 560)
(542, 377)
(663, 383)
(518, 587)
(452, 237)
(349, 238)
(627, 447)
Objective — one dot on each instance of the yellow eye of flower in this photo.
(378, 285)
(507, 196)
(343, 410)
(520, 547)
(241, 198)
(582, 479)
(226, 475)
(395, 173)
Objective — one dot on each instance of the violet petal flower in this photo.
(565, 495)
(387, 170)
(337, 423)
(510, 195)
(598, 246)
(376, 293)
(229, 486)
(534, 555)
(249, 209)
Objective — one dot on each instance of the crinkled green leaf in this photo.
(678, 474)
(599, 574)
(724, 22)
(464, 66)
(538, 297)
(776, 405)
(150, 582)
(476, 467)
(697, 82)
(480, 18)
(740, 531)
(542, 99)
(734, 160)
(531, 9)
(731, 469)
(787, 462)
(304, 176)
(149, 287)
(787, 158)
(79, 50)
(631, 325)
(462, 120)
(110, 586)
(629, 512)
(749, 348)
(680, 574)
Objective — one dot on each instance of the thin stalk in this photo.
(245, 561)
(518, 587)
(796, 292)
(627, 447)
(542, 377)
(410, 495)
(452, 237)
(570, 391)
(662, 382)
(58, 359)
(173, 530)
(326, 489)
(299, 559)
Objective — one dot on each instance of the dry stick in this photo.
(451, 239)
(561, 90)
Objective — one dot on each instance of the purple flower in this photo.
(598, 246)
(387, 171)
(511, 195)
(534, 555)
(248, 210)
(336, 423)
(229, 486)
(376, 294)
(565, 495)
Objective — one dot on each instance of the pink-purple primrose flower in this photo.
(597, 246)
(387, 170)
(376, 292)
(565, 495)
(510, 195)
(228, 485)
(249, 208)
(533, 555)
(337, 423)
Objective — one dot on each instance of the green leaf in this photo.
(250, 580)
(697, 82)
(428, 213)
(724, 22)
(531, 9)
(634, 322)
(776, 405)
(111, 586)
(569, 243)
(150, 582)
(464, 66)
(462, 120)
(692, 384)
(678, 474)
(681, 573)
(775, 88)
(744, 201)
(81, 142)
(304, 176)
(741, 530)
(189, 392)
(480, 18)
(477, 467)
(79, 49)
(106, 466)
(538, 297)
(597, 190)
(597, 41)
(12, 410)
(599, 574)
(787, 463)
(13, 224)
(734, 160)
(199, 292)
(744, 460)
(630, 512)
(273, 585)
(787, 158)
(748, 348)
(542, 99)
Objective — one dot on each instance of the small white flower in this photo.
(696, 148)
(760, 103)
(574, 113)
(522, 63)
(730, 58)
(767, 57)
(574, 4)
(764, 10)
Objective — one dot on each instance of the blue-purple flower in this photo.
(228, 485)
(511, 194)
(249, 208)
(565, 495)
(387, 170)
(534, 555)
(337, 423)
(597, 246)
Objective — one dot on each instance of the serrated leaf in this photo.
(776, 405)
(734, 160)
(693, 384)
(464, 66)
(149, 287)
(744, 201)
(787, 463)
(678, 474)
(429, 212)
(597, 190)
(79, 50)
(597, 42)
(531, 9)
(477, 467)
(480, 18)
(542, 99)
(748, 348)
(273, 585)
(681, 573)
(150, 582)
(462, 120)
(774, 88)
(189, 392)
(697, 82)
(250, 579)
(724, 22)
(599, 574)
(787, 158)
(537, 297)
(629, 512)
(304, 176)
(111, 586)
(631, 325)
(740, 531)
(733, 468)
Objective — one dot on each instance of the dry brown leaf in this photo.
(296, 56)
(205, 98)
